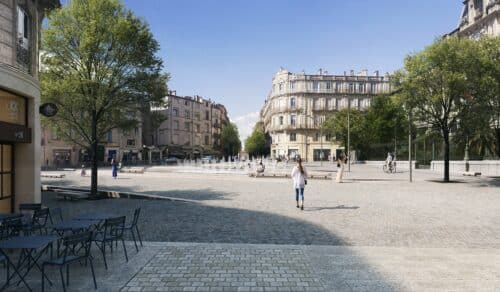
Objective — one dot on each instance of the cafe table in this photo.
(32, 248)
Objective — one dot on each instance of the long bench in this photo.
(71, 195)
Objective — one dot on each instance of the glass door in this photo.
(6, 178)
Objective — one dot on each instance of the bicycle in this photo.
(389, 167)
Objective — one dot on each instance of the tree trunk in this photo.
(93, 178)
(446, 138)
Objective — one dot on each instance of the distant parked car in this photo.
(171, 160)
(208, 159)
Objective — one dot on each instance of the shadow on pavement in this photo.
(339, 207)
(173, 221)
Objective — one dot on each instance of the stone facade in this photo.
(192, 126)
(479, 17)
(299, 103)
(122, 145)
(20, 22)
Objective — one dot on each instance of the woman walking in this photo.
(299, 176)
(114, 168)
(340, 167)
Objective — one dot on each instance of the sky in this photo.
(229, 50)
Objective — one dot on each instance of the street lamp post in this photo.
(409, 145)
(348, 134)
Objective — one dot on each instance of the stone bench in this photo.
(132, 169)
(71, 195)
(53, 175)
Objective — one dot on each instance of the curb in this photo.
(105, 194)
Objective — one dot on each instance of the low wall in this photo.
(400, 164)
(485, 167)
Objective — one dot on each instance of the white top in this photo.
(299, 178)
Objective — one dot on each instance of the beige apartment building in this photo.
(299, 103)
(20, 22)
(479, 17)
(192, 126)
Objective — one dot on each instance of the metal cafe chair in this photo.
(134, 229)
(38, 222)
(76, 248)
(111, 231)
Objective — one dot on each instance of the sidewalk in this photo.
(246, 267)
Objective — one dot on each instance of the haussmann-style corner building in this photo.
(299, 103)
(478, 18)
(20, 22)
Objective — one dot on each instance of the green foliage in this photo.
(385, 121)
(443, 82)
(230, 140)
(336, 125)
(255, 144)
(100, 67)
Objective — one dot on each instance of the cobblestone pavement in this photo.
(244, 267)
(226, 268)
(375, 232)
(370, 209)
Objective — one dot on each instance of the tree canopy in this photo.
(444, 81)
(255, 144)
(100, 67)
(230, 140)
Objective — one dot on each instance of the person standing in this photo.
(299, 176)
(340, 167)
(114, 168)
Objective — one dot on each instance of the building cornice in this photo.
(18, 81)
(475, 25)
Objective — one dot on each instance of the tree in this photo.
(384, 122)
(256, 144)
(438, 84)
(230, 140)
(100, 68)
(488, 89)
(336, 125)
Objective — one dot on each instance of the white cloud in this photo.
(245, 124)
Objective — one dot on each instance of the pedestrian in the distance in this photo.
(299, 176)
(114, 168)
(340, 167)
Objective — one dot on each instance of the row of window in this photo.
(197, 105)
(352, 87)
(187, 140)
(331, 103)
(187, 114)
(292, 137)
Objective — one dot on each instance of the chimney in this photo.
(376, 73)
(320, 71)
(352, 72)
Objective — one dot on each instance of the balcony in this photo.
(286, 109)
(23, 57)
(297, 126)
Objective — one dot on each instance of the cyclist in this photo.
(389, 161)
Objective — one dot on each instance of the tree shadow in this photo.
(452, 181)
(174, 221)
(339, 207)
(194, 194)
(492, 181)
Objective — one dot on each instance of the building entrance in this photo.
(6, 178)
(321, 155)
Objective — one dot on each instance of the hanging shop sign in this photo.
(48, 109)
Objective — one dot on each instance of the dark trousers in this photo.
(301, 194)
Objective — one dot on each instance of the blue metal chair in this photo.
(112, 230)
(76, 249)
(133, 228)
